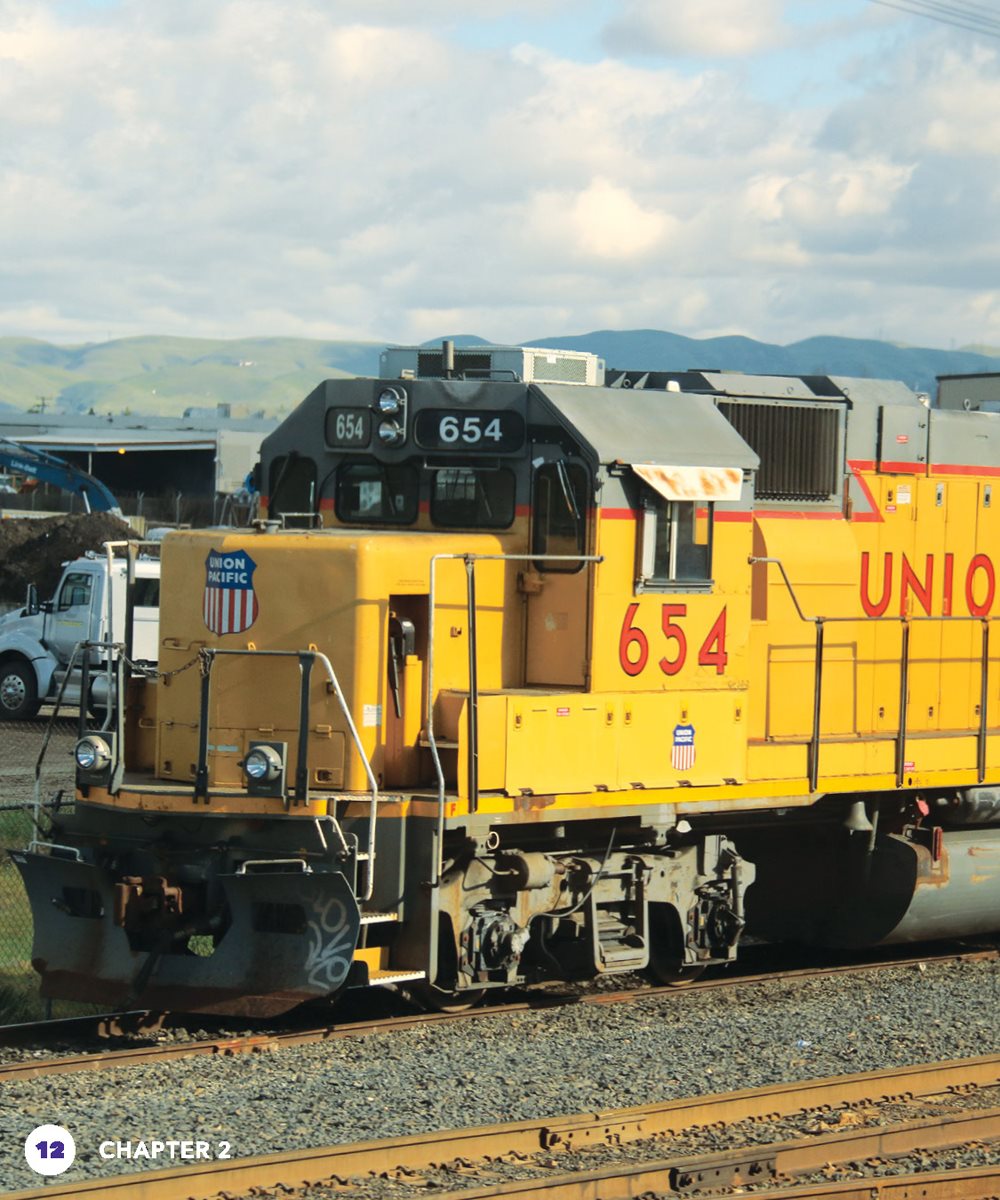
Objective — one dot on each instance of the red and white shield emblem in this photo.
(682, 751)
(230, 604)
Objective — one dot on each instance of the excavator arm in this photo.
(39, 464)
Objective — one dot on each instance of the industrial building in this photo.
(204, 455)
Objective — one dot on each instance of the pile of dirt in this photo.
(33, 550)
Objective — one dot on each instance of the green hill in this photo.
(654, 350)
(166, 375)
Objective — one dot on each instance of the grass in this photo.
(19, 999)
(15, 919)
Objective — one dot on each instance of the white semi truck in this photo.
(92, 603)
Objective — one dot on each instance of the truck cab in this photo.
(91, 603)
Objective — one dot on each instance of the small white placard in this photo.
(372, 715)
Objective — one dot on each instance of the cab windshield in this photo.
(456, 497)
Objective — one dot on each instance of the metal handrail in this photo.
(470, 560)
(905, 621)
(302, 778)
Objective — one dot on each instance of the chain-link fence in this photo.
(20, 745)
(176, 508)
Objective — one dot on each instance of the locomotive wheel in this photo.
(673, 973)
(435, 999)
(666, 949)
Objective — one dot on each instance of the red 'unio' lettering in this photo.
(949, 579)
(875, 608)
(910, 582)
(980, 562)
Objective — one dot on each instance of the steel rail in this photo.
(974, 1183)
(300, 1168)
(804, 1155)
(759, 1164)
(259, 1043)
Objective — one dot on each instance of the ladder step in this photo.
(623, 957)
(378, 918)
(381, 978)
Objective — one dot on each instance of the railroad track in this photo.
(537, 1142)
(263, 1042)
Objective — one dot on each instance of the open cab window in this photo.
(561, 503)
(292, 488)
(675, 544)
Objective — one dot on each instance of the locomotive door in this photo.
(557, 607)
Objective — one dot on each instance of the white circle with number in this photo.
(50, 1149)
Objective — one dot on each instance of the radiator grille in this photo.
(797, 444)
(430, 364)
(553, 368)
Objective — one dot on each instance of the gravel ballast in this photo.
(514, 1067)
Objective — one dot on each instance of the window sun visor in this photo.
(692, 483)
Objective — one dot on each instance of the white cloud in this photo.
(270, 166)
(704, 28)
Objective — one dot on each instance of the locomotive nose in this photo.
(290, 938)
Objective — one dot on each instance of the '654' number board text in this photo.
(634, 642)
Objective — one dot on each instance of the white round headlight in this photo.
(390, 432)
(263, 764)
(390, 401)
(92, 753)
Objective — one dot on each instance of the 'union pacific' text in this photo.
(937, 580)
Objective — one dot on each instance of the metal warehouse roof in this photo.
(132, 439)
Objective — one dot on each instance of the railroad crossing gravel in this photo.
(515, 1067)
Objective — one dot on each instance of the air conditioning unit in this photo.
(525, 364)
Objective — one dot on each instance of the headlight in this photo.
(92, 754)
(263, 764)
(390, 432)
(390, 401)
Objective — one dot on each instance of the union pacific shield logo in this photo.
(230, 601)
(682, 753)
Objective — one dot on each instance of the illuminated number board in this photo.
(497, 432)
(348, 428)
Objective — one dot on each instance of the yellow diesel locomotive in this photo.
(531, 672)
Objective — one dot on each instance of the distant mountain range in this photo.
(167, 375)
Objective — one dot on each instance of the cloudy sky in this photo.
(397, 170)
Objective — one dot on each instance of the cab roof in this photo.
(644, 426)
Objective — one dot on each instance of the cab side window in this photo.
(465, 498)
(292, 486)
(675, 542)
(373, 493)
(75, 591)
(560, 504)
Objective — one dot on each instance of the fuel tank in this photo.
(828, 888)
